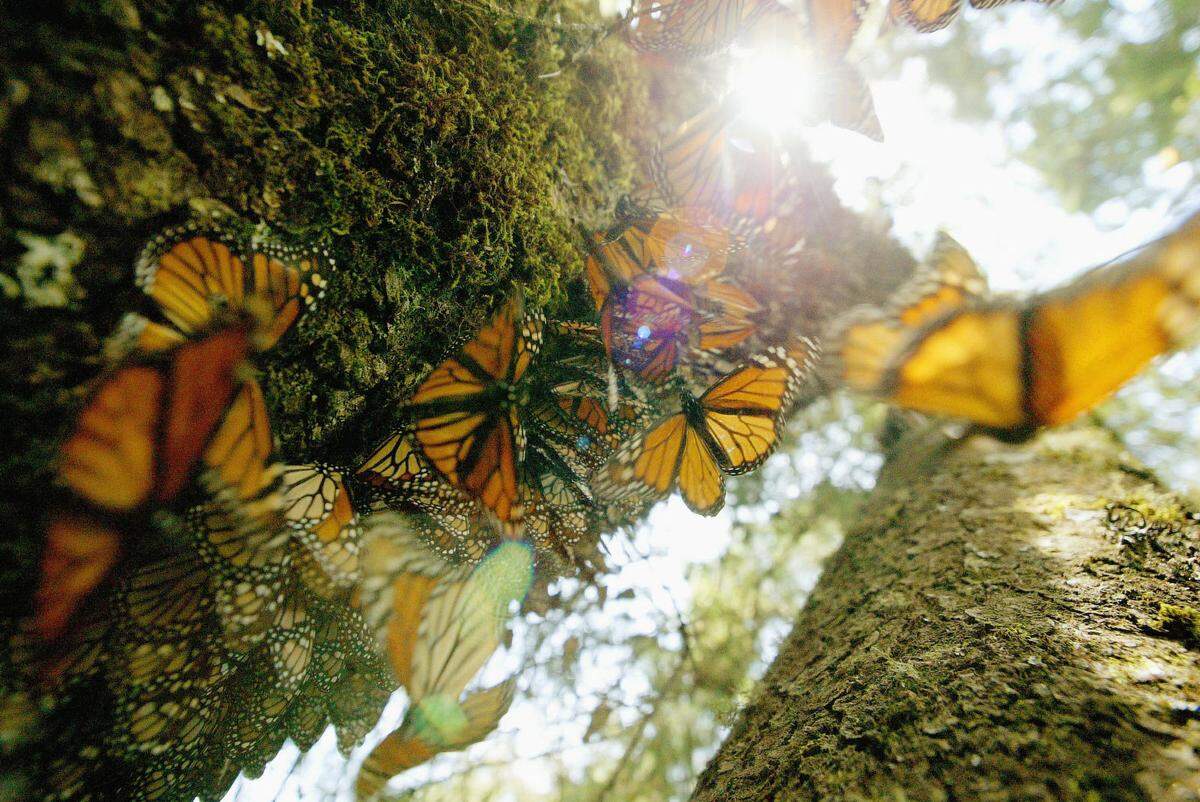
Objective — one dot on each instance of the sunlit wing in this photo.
(713, 163)
(967, 365)
(462, 623)
(700, 481)
(741, 410)
(192, 272)
(927, 15)
(690, 28)
(432, 727)
(834, 23)
(732, 319)
(647, 468)
(1089, 338)
(647, 327)
(868, 340)
(949, 278)
(845, 101)
(686, 246)
(1011, 367)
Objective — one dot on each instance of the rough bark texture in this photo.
(989, 632)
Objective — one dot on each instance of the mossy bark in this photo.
(444, 152)
(989, 632)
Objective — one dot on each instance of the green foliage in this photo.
(1108, 87)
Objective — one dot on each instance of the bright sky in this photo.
(932, 172)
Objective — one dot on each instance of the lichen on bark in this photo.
(988, 633)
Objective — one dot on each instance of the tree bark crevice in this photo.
(989, 631)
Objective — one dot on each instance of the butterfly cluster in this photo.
(201, 599)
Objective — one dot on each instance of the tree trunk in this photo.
(993, 629)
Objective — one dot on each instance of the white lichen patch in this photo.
(44, 276)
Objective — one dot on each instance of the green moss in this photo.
(415, 140)
(1179, 622)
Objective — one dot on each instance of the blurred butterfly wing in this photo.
(689, 28)
(1088, 339)
(79, 554)
(947, 280)
(483, 710)
(396, 753)
(137, 333)
(399, 572)
(418, 739)
(997, 3)
(462, 622)
(927, 15)
(203, 381)
(691, 166)
(967, 364)
(847, 102)
(834, 23)
(110, 458)
(732, 322)
(240, 454)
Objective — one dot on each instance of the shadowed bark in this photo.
(990, 631)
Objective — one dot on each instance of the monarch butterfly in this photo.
(317, 505)
(927, 15)
(439, 622)
(192, 271)
(559, 509)
(1010, 367)
(146, 430)
(738, 318)
(655, 324)
(730, 428)
(948, 279)
(163, 670)
(847, 102)
(683, 246)
(833, 24)
(246, 565)
(715, 162)
(398, 477)
(690, 28)
(574, 423)
(435, 725)
(647, 327)
(467, 413)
